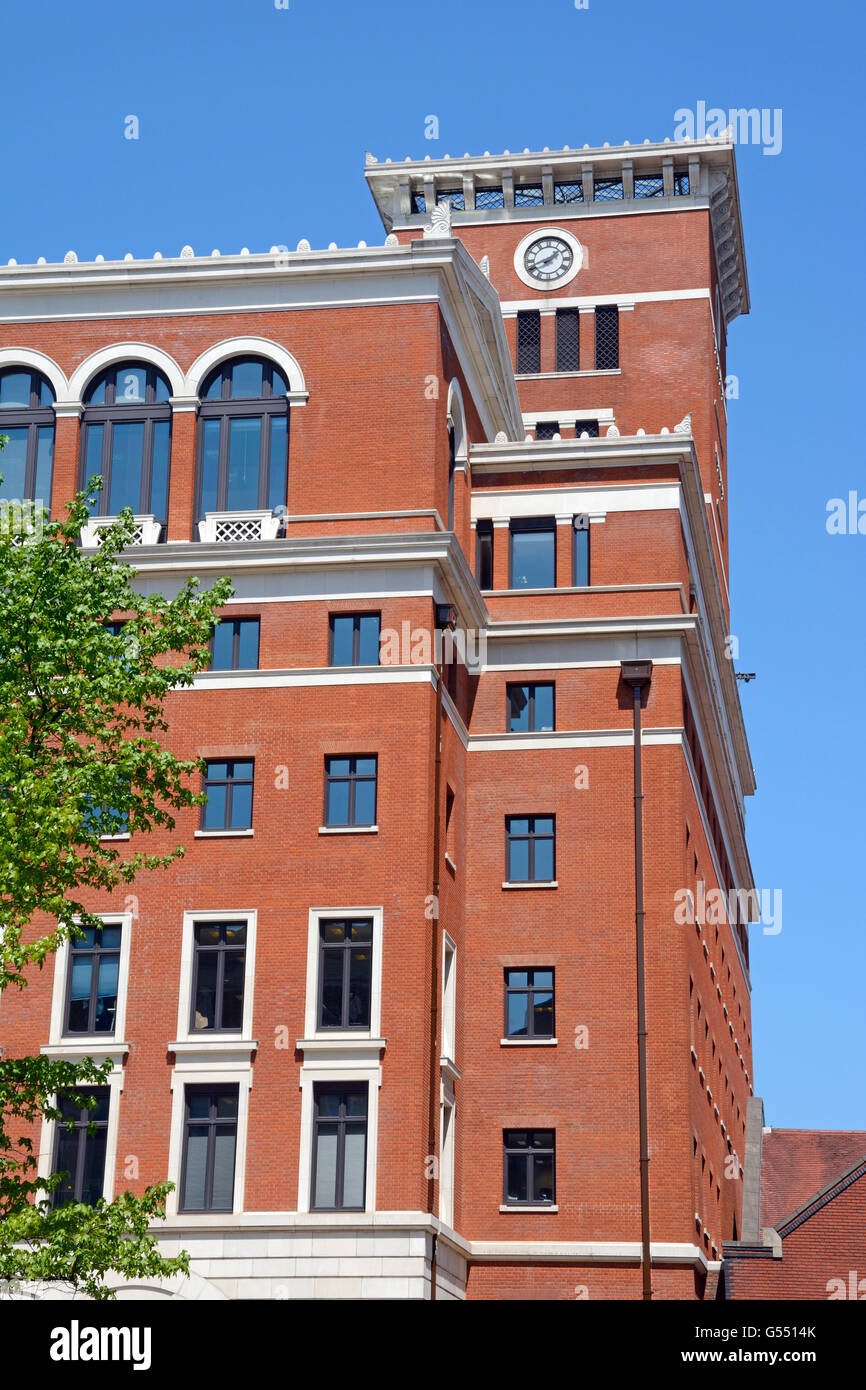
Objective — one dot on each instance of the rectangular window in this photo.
(419, 202)
(345, 973)
(94, 970)
(649, 186)
(528, 341)
(533, 554)
(488, 198)
(528, 195)
(234, 645)
(567, 340)
(209, 1143)
(530, 1161)
(529, 708)
(484, 554)
(339, 1147)
(218, 977)
(546, 429)
(586, 427)
(350, 791)
(529, 1004)
(228, 786)
(607, 190)
(568, 192)
(529, 849)
(580, 578)
(449, 998)
(79, 1154)
(606, 337)
(354, 639)
(681, 185)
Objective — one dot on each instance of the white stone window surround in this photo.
(449, 999)
(196, 1069)
(207, 1041)
(353, 1070)
(114, 1082)
(312, 1031)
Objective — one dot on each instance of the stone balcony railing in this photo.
(147, 531)
(239, 526)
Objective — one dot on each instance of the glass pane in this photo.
(162, 390)
(243, 768)
(242, 806)
(543, 1015)
(244, 445)
(337, 806)
(217, 770)
(100, 1112)
(542, 979)
(542, 1138)
(333, 931)
(227, 1104)
(544, 859)
(325, 1193)
(130, 386)
(214, 391)
(356, 1102)
(369, 641)
(199, 1105)
(337, 767)
(15, 391)
(533, 560)
(233, 990)
(518, 825)
(66, 1162)
(518, 861)
(159, 471)
(343, 638)
(361, 931)
(93, 451)
(215, 808)
(248, 646)
(111, 936)
(208, 936)
(46, 393)
(97, 395)
(223, 646)
(544, 707)
(196, 1167)
(328, 1103)
(359, 988)
(94, 1165)
(518, 699)
(13, 464)
(106, 993)
(543, 825)
(517, 979)
(581, 559)
(223, 1168)
(236, 935)
(277, 475)
(44, 464)
(332, 990)
(518, 1015)
(204, 1015)
(365, 803)
(246, 379)
(365, 767)
(515, 1178)
(353, 1166)
(210, 465)
(79, 993)
(280, 385)
(542, 1179)
(127, 446)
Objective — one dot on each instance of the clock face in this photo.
(549, 258)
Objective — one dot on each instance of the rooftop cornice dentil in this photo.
(377, 170)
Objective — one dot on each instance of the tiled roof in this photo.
(797, 1163)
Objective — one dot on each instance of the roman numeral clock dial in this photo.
(549, 258)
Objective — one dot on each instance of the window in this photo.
(354, 639)
(567, 340)
(488, 198)
(533, 554)
(580, 577)
(339, 1147)
(484, 554)
(529, 708)
(419, 202)
(588, 427)
(243, 437)
(229, 789)
(126, 439)
(649, 186)
(528, 341)
(449, 998)
(607, 190)
(345, 973)
(209, 1143)
(78, 1152)
(568, 192)
(218, 977)
(529, 1004)
(94, 971)
(235, 645)
(681, 185)
(606, 337)
(452, 196)
(350, 791)
(529, 849)
(529, 1167)
(27, 421)
(546, 429)
(528, 195)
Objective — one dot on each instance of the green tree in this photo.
(81, 714)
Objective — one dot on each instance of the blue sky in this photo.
(253, 122)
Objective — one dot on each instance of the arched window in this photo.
(27, 421)
(452, 460)
(243, 437)
(126, 439)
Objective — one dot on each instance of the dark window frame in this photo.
(530, 990)
(484, 554)
(532, 687)
(356, 637)
(229, 781)
(212, 1089)
(528, 319)
(346, 947)
(531, 836)
(521, 526)
(607, 353)
(221, 950)
(581, 558)
(352, 777)
(529, 1153)
(96, 952)
(86, 1128)
(107, 414)
(342, 1121)
(32, 417)
(568, 340)
(225, 408)
(235, 625)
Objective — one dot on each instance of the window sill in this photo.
(548, 883)
(124, 836)
(546, 376)
(224, 1045)
(342, 1043)
(348, 830)
(90, 1046)
(552, 1207)
(450, 862)
(222, 834)
(448, 1067)
(528, 1042)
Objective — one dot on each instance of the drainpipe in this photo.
(638, 674)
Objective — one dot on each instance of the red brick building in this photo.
(380, 1025)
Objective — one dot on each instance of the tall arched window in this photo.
(452, 460)
(243, 437)
(126, 439)
(27, 421)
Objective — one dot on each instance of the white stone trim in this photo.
(29, 357)
(238, 1042)
(106, 1043)
(449, 999)
(356, 1035)
(539, 234)
(624, 302)
(247, 347)
(48, 1129)
(200, 1070)
(456, 415)
(597, 500)
(338, 1068)
(568, 417)
(123, 352)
